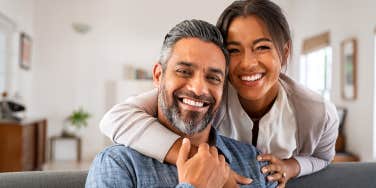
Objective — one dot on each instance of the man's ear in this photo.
(157, 74)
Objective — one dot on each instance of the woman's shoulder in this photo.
(298, 92)
(306, 100)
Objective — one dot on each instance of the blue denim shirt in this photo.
(120, 166)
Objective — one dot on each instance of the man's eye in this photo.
(183, 72)
(214, 79)
(232, 50)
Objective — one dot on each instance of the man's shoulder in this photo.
(122, 154)
(117, 150)
(236, 146)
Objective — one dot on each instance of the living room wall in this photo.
(72, 68)
(344, 19)
(20, 13)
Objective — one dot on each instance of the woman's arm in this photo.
(325, 149)
(132, 123)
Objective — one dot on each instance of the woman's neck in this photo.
(258, 108)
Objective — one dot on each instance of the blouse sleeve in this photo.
(325, 149)
(132, 123)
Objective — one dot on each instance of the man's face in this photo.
(191, 87)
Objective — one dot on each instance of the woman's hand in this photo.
(279, 170)
(235, 179)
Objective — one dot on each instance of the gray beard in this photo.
(172, 113)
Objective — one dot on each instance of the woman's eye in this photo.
(261, 48)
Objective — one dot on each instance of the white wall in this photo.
(20, 12)
(72, 69)
(344, 19)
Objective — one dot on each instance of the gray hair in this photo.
(191, 29)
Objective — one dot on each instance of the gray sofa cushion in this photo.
(340, 175)
(43, 179)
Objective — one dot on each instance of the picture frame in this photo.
(349, 69)
(25, 51)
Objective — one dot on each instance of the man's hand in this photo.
(205, 169)
(279, 170)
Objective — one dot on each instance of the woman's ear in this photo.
(286, 53)
(157, 74)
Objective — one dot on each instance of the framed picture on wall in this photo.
(25, 51)
(349, 69)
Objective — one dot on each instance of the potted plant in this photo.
(77, 120)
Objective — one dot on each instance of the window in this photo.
(316, 65)
(2, 61)
(6, 29)
(374, 108)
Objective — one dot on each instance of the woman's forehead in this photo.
(247, 28)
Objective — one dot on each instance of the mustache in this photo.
(206, 98)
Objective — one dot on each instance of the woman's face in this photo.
(255, 65)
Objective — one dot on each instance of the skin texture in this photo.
(195, 67)
(206, 164)
(253, 54)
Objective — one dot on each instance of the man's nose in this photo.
(198, 85)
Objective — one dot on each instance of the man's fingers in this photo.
(213, 152)
(183, 152)
(203, 147)
(241, 179)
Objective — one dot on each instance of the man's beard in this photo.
(191, 125)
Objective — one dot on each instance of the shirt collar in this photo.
(214, 137)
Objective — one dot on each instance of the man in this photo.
(190, 78)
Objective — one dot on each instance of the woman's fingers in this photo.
(267, 157)
(272, 168)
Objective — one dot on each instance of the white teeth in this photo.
(193, 103)
(252, 78)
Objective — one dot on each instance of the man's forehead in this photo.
(197, 53)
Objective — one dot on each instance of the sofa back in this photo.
(340, 175)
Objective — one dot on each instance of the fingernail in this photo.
(185, 140)
(249, 180)
(270, 178)
(264, 170)
(259, 158)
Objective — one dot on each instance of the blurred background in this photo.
(68, 61)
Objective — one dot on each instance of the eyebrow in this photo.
(217, 71)
(253, 43)
(184, 63)
(211, 69)
(261, 40)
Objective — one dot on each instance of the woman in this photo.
(294, 127)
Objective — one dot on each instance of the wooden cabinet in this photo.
(22, 145)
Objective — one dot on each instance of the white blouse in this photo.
(277, 128)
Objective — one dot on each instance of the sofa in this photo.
(340, 175)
